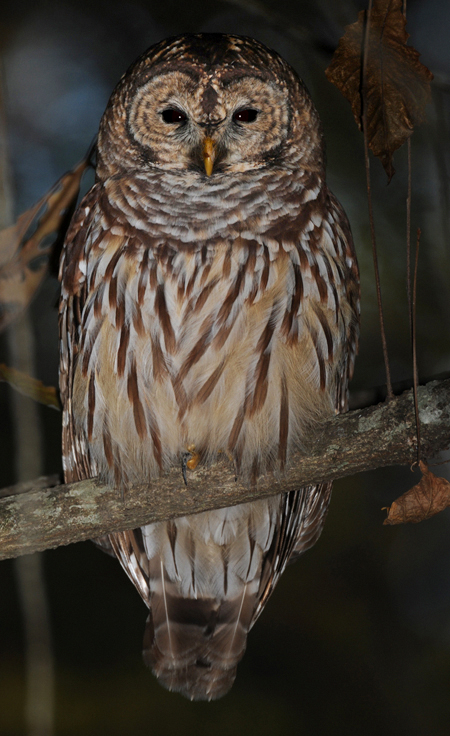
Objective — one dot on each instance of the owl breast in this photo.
(222, 345)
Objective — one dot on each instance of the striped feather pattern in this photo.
(208, 314)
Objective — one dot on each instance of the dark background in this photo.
(356, 638)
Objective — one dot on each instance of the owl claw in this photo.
(184, 464)
(194, 459)
(191, 464)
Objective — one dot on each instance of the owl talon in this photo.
(191, 464)
(193, 461)
(184, 462)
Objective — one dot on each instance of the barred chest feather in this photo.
(222, 345)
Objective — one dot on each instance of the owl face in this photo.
(210, 122)
(211, 105)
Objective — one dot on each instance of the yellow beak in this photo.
(209, 155)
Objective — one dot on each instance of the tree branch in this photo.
(361, 440)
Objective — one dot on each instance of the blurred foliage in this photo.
(356, 638)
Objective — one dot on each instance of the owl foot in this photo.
(191, 463)
(194, 459)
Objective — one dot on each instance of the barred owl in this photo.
(209, 305)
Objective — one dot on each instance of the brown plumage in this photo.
(209, 304)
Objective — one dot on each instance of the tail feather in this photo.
(206, 579)
(194, 646)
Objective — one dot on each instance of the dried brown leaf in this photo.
(430, 496)
(25, 247)
(397, 84)
(28, 386)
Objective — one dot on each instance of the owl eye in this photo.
(172, 115)
(245, 116)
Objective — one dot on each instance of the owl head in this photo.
(212, 104)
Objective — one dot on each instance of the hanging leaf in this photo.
(29, 386)
(397, 84)
(430, 496)
(26, 247)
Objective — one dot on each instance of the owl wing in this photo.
(78, 463)
(302, 517)
(318, 497)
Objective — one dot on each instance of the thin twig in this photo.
(412, 304)
(408, 242)
(390, 393)
(408, 226)
(414, 352)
